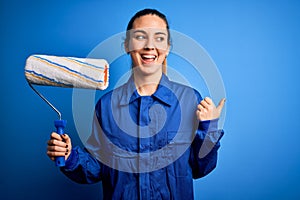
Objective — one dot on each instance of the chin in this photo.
(149, 69)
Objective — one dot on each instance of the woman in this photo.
(169, 133)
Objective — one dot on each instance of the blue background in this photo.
(255, 45)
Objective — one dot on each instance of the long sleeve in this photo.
(204, 148)
(82, 167)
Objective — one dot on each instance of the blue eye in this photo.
(160, 39)
(140, 37)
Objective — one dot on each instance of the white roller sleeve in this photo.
(87, 73)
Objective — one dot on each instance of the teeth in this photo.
(149, 56)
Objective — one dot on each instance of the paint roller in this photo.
(70, 72)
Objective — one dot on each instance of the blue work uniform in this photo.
(147, 147)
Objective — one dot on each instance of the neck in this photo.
(146, 85)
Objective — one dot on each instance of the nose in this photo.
(149, 45)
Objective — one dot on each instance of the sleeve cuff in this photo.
(209, 125)
(72, 161)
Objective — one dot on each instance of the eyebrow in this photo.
(140, 31)
(144, 32)
(160, 33)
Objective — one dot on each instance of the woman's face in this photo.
(148, 44)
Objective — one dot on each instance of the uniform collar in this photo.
(163, 92)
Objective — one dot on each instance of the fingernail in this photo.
(67, 150)
(66, 146)
(66, 153)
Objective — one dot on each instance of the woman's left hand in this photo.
(207, 109)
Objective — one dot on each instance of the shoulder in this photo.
(113, 96)
(184, 90)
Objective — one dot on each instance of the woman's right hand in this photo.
(59, 145)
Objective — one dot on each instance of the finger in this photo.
(204, 104)
(55, 136)
(208, 101)
(221, 104)
(54, 142)
(57, 149)
(66, 138)
(53, 154)
(200, 107)
(199, 114)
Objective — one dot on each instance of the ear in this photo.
(168, 50)
(126, 46)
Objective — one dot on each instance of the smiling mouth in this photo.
(147, 59)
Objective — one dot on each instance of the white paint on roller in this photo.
(89, 73)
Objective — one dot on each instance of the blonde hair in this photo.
(164, 66)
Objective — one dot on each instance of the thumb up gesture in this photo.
(207, 110)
